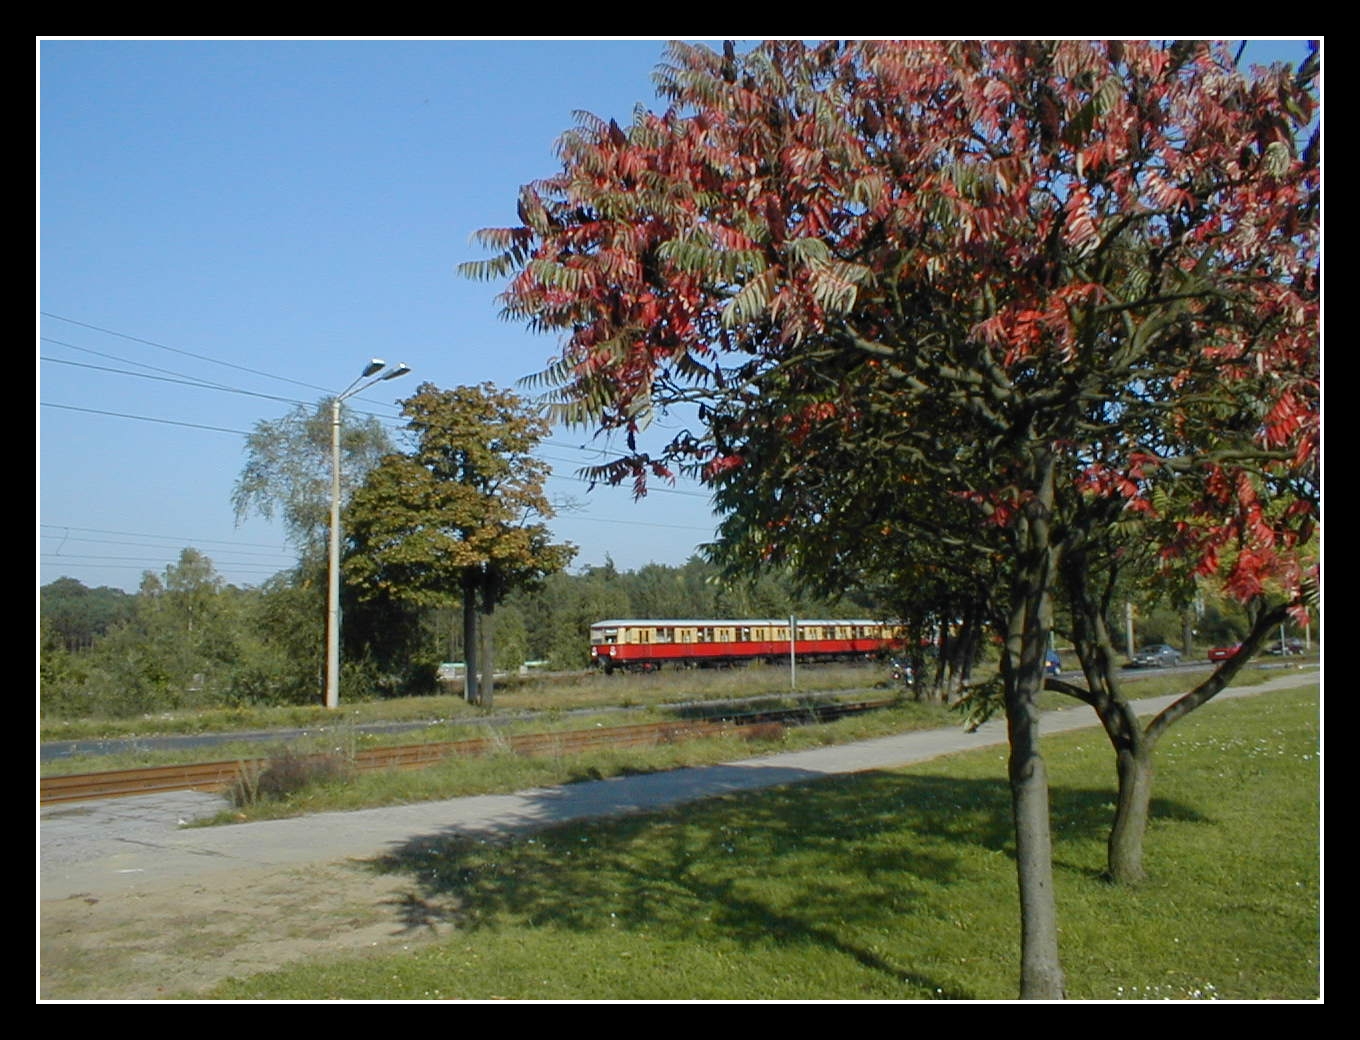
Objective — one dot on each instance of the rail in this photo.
(219, 776)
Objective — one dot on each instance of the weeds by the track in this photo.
(546, 693)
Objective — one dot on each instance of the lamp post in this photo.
(372, 373)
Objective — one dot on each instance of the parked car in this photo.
(1222, 653)
(1288, 646)
(1159, 655)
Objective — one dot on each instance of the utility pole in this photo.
(371, 373)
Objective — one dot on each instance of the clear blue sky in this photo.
(265, 216)
(292, 208)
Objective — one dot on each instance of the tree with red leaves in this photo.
(1002, 306)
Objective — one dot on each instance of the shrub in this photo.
(763, 733)
(285, 773)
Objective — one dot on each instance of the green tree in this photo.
(560, 615)
(1050, 284)
(62, 675)
(79, 615)
(462, 515)
(512, 638)
(177, 649)
(287, 476)
(1097, 560)
(287, 473)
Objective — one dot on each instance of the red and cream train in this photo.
(645, 644)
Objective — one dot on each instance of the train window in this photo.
(663, 635)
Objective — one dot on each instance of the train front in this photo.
(604, 645)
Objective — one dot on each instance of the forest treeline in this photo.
(188, 639)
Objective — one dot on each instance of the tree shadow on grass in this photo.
(1087, 813)
(825, 865)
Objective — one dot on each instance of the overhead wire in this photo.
(185, 353)
(178, 378)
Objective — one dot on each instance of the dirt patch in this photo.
(179, 941)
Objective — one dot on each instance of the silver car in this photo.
(1158, 655)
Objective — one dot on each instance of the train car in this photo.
(645, 644)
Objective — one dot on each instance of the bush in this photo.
(284, 774)
(763, 733)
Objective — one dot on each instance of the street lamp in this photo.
(373, 373)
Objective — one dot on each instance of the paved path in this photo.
(131, 844)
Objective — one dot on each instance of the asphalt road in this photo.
(130, 844)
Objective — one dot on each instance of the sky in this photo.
(266, 216)
(228, 228)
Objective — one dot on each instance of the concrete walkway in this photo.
(130, 844)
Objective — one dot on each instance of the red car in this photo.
(1222, 653)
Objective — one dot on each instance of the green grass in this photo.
(885, 885)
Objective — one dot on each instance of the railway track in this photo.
(219, 776)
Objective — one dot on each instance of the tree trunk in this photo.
(1132, 748)
(964, 652)
(1125, 846)
(470, 635)
(1028, 628)
(1041, 975)
(486, 689)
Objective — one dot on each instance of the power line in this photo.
(651, 489)
(207, 384)
(171, 376)
(170, 537)
(145, 418)
(182, 378)
(634, 523)
(197, 384)
(126, 361)
(273, 554)
(185, 381)
(186, 353)
(247, 433)
(111, 560)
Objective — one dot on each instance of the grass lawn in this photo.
(885, 885)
